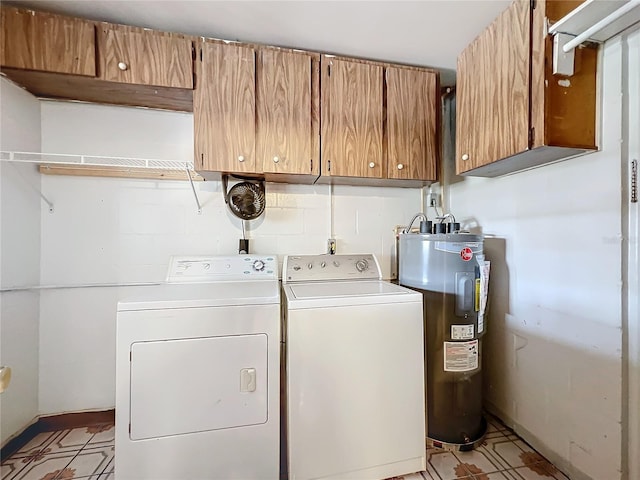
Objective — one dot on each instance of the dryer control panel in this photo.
(312, 268)
(222, 268)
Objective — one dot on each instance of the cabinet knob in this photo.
(465, 157)
(371, 165)
(276, 159)
(241, 158)
(122, 66)
(400, 166)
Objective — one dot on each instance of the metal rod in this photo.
(605, 22)
(193, 188)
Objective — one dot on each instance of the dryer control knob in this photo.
(296, 267)
(310, 266)
(362, 265)
(323, 264)
(258, 265)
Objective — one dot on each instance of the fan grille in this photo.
(246, 200)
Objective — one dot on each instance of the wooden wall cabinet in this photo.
(224, 109)
(413, 101)
(145, 57)
(54, 56)
(46, 42)
(512, 113)
(352, 119)
(255, 112)
(288, 112)
(379, 122)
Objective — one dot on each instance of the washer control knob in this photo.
(296, 267)
(206, 266)
(258, 265)
(323, 264)
(336, 263)
(310, 266)
(362, 265)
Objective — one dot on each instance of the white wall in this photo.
(117, 231)
(554, 343)
(19, 259)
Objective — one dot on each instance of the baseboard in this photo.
(51, 423)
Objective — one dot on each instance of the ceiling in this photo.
(426, 33)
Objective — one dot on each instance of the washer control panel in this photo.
(222, 268)
(311, 268)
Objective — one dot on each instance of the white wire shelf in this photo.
(103, 166)
(95, 161)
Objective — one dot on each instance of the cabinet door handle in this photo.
(276, 159)
(371, 165)
(465, 157)
(400, 166)
(122, 66)
(241, 158)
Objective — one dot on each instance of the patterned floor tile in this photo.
(91, 462)
(491, 476)
(40, 442)
(10, 467)
(478, 461)
(72, 439)
(46, 467)
(410, 476)
(537, 471)
(510, 454)
(104, 433)
(492, 449)
(447, 467)
(108, 476)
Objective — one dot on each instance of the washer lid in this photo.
(325, 294)
(201, 295)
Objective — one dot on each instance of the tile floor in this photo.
(87, 453)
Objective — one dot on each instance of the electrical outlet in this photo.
(331, 246)
(433, 200)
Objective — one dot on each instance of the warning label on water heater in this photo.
(460, 356)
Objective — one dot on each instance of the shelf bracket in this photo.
(193, 188)
(563, 61)
(44, 199)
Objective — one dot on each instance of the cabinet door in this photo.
(352, 119)
(286, 113)
(492, 92)
(224, 109)
(412, 115)
(144, 57)
(47, 42)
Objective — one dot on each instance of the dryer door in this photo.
(197, 384)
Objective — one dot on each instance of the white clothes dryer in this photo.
(198, 373)
(354, 370)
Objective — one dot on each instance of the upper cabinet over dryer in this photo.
(379, 122)
(55, 56)
(46, 42)
(256, 112)
(513, 113)
(144, 57)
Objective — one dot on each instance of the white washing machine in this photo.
(198, 373)
(354, 370)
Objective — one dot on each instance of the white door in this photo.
(197, 384)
